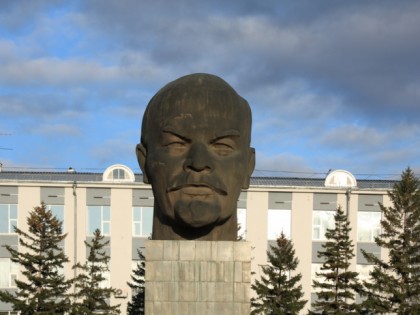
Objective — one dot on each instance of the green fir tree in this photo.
(240, 235)
(337, 285)
(137, 285)
(394, 284)
(42, 287)
(278, 291)
(92, 296)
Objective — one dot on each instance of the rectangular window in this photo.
(241, 215)
(321, 221)
(118, 173)
(57, 211)
(142, 221)
(99, 217)
(8, 218)
(106, 283)
(364, 272)
(278, 221)
(279, 214)
(8, 273)
(316, 268)
(370, 202)
(368, 226)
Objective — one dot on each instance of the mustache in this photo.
(188, 180)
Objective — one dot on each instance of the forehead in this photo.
(201, 109)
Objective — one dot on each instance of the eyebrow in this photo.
(218, 135)
(172, 132)
(228, 133)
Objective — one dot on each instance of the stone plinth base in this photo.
(198, 277)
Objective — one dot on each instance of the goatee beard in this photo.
(197, 213)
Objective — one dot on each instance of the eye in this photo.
(223, 147)
(176, 147)
(173, 143)
(176, 144)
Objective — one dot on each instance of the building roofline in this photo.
(257, 181)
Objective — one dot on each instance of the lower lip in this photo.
(197, 191)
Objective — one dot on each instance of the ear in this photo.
(141, 153)
(251, 166)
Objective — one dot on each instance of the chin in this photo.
(197, 214)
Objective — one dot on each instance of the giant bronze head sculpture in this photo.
(195, 152)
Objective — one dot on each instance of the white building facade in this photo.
(121, 206)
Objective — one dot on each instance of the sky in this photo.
(332, 84)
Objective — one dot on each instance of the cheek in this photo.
(233, 175)
(157, 163)
(233, 169)
(161, 159)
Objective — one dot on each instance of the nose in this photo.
(199, 159)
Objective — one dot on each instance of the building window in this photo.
(278, 221)
(99, 217)
(57, 211)
(106, 283)
(316, 269)
(134, 267)
(118, 173)
(135, 264)
(321, 221)
(8, 218)
(368, 226)
(364, 272)
(8, 273)
(241, 215)
(142, 221)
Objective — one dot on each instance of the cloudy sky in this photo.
(332, 84)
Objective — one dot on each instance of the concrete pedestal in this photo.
(198, 277)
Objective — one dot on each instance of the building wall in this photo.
(76, 201)
(302, 237)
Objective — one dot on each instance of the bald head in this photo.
(209, 94)
(195, 152)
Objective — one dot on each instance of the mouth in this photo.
(198, 190)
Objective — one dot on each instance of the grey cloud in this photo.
(331, 79)
(405, 130)
(38, 105)
(404, 155)
(16, 15)
(295, 99)
(7, 51)
(59, 129)
(55, 72)
(111, 151)
(365, 52)
(369, 150)
(353, 137)
(281, 165)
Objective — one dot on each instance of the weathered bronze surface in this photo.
(195, 152)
